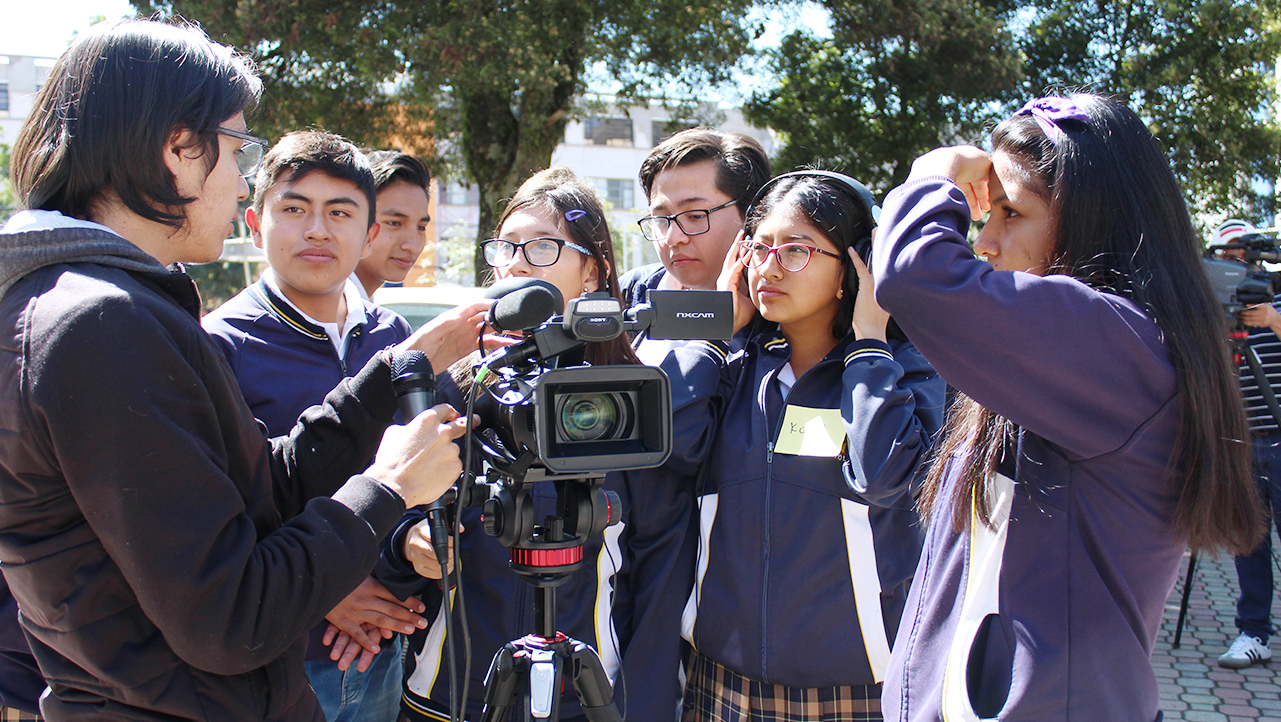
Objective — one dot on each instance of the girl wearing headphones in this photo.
(1101, 429)
(809, 438)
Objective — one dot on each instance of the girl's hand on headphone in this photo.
(967, 166)
(731, 279)
(869, 319)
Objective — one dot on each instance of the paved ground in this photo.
(1193, 686)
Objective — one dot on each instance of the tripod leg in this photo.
(545, 670)
(1183, 607)
(501, 682)
(592, 684)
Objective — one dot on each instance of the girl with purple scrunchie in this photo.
(1099, 425)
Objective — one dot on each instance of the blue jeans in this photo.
(1254, 570)
(352, 696)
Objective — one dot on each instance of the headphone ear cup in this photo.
(863, 247)
(851, 282)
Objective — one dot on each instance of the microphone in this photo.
(415, 386)
(414, 382)
(523, 303)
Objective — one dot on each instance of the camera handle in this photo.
(533, 668)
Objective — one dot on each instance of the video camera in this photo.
(585, 419)
(1240, 280)
(546, 416)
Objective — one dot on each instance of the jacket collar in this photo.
(284, 311)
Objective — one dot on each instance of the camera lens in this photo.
(591, 416)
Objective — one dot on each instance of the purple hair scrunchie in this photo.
(1047, 112)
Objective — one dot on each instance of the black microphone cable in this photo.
(415, 385)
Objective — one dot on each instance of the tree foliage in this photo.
(1199, 71)
(494, 81)
(897, 79)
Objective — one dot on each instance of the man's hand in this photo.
(346, 650)
(418, 551)
(450, 336)
(419, 461)
(365, 615)
(1263, 315)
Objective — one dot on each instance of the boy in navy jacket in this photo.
(294, 335)
(402, 212)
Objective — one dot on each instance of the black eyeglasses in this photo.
(249, 154)
(692, 222)
(792, 257)
(501, 253)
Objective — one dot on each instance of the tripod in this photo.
(533, 669)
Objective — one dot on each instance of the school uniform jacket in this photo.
(1050, 614)
(808, 537)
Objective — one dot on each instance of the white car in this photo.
(420, 304)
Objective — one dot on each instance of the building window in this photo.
(458, 195)
(608, 131)
(4, 96)
(664, 129)
(619, 192)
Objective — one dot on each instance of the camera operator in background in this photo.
(628, 595)
(168, 558)
(1254, 570)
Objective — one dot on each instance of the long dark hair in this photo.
(833, 211)
(561, 191)
(109, 106)
(1123, 228)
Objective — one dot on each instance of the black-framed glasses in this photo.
(249, 154)
(500, 253)
(693, 222)
(792, 257)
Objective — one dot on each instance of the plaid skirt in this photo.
(9, 714)
(716, 694)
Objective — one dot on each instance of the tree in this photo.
(7, 200)
(496, 77)
(1199, 72)
(895, 79)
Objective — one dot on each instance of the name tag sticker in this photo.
(811, 432)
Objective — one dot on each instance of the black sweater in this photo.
(167, 557)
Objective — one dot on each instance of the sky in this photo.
(45, 27)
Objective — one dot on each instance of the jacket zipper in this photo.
(769, 487)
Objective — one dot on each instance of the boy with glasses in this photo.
(698, 183)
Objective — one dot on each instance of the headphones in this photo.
(851, 189)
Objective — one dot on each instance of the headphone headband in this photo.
(849, 185)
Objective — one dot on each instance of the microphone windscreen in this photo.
(522, 309)
(512, 284)
(409, 369)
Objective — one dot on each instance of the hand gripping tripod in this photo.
(533, 669)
